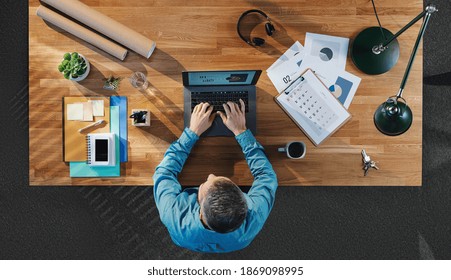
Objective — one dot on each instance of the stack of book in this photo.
(77, 145)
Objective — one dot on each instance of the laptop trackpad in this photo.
(218, 128)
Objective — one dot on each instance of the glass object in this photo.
(139, 81)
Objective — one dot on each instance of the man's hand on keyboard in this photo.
(201, 118)
(234, 118)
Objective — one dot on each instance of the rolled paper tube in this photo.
(105, 25)
(82, 32)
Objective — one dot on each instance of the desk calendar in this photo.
(313, 107)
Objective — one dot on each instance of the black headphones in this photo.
(269, 27)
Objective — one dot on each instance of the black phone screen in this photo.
(101, 150)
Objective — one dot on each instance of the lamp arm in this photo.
(429, 10)
(387, 42)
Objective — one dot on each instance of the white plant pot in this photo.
(82, 77)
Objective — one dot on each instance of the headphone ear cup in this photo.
(269, 28)
(258, 41)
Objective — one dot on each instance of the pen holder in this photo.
(140, 117)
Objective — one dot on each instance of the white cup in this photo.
(294, 150)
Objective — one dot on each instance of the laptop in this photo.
(216, 88)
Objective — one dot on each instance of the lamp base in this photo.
(393, 119)
(366, 60)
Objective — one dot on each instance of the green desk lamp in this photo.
(393, 117)
(372, 57)
(375, 50)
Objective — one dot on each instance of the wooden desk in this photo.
(201, 35)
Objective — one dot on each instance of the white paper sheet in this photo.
(75, 112)
(97, 108)
(342, 84)
(285, 69)
(285, 73)
(87, 112)
(314, 108)
(294, 50)
(330, 50)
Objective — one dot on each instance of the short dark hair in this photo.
(224, 207)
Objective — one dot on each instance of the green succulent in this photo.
(112, 83)
(73, 65)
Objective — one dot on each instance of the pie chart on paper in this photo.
(336, 90)
(326, 54)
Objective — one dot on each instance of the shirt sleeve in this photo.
(263, 190)
(166, 185)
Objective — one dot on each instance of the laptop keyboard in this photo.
(217, 98)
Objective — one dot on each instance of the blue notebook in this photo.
(82, 169)
(121, 101)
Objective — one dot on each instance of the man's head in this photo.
(223, 206)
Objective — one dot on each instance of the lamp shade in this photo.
(393, 117)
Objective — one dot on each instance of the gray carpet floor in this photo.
(306, 223)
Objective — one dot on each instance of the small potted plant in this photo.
(111, 83)
(74, 66)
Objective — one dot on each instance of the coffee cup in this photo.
(294, 150)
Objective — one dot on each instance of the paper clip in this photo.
(294, 84)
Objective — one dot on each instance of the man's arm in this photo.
(166, 186)
(264, 187)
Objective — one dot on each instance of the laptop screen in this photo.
(220, 78)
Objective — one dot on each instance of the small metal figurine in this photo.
(368, 163)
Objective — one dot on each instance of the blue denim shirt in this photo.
(179, 209)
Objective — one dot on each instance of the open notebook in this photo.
(313, 107)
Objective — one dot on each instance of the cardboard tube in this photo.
(105, 25)
(82, 32)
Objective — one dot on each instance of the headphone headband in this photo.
(253, 11)
(268, 24)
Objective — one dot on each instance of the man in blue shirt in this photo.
(216, 216)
